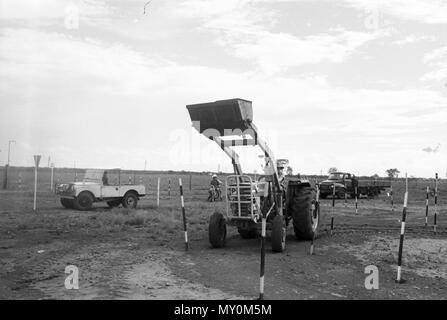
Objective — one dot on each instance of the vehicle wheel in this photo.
(248, 233)
(130, 200)
(278, 234)
(217, 230)
(114, 203)
(84, 201)
(306, 219)
(67, 203)
(341, 195)
(323, 195)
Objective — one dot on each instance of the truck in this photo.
(95, 187)
(273, 198)
(347, 184)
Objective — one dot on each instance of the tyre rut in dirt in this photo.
(67, 203)
(130, 200)
(278, 234)
(305, 220)
(84, 201)
(217, 230)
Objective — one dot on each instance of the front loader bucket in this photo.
(222, 115)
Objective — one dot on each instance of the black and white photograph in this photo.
(223, 155)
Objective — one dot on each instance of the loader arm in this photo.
(229, 123)
(231, 153)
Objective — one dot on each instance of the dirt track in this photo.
(139, 255)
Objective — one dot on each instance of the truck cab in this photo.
(344, 183)
(347, 185)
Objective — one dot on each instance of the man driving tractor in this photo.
(280, 167)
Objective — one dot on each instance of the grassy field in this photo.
(141, 251)
(19, 199)
(195, 184)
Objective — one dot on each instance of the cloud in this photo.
(424, 11)
(413, 39)
(432, 150)
(39, 9)
(437, 60)
(278, 51)
(436, 55)
(51, 56)
(48, 12)
(90, 69)
(244, 30)
(118, 83)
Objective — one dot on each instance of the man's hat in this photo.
(282, 163)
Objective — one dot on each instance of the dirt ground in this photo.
(139, 254)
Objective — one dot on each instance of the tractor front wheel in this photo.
(217, 230)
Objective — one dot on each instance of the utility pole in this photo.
(9, 150)
(5, 170)
(5, 179)
(36, 162)
(52, 177)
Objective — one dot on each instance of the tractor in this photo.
(274, 197)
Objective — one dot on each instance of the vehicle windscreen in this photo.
(335, 176)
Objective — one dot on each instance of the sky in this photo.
(360, 85)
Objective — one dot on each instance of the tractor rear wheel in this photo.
(217, 230)
(306, 218)
(84, 201)
(278, 234)
(67, 203)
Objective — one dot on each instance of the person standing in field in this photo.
(216, 183)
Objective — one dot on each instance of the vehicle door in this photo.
(112, 189)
